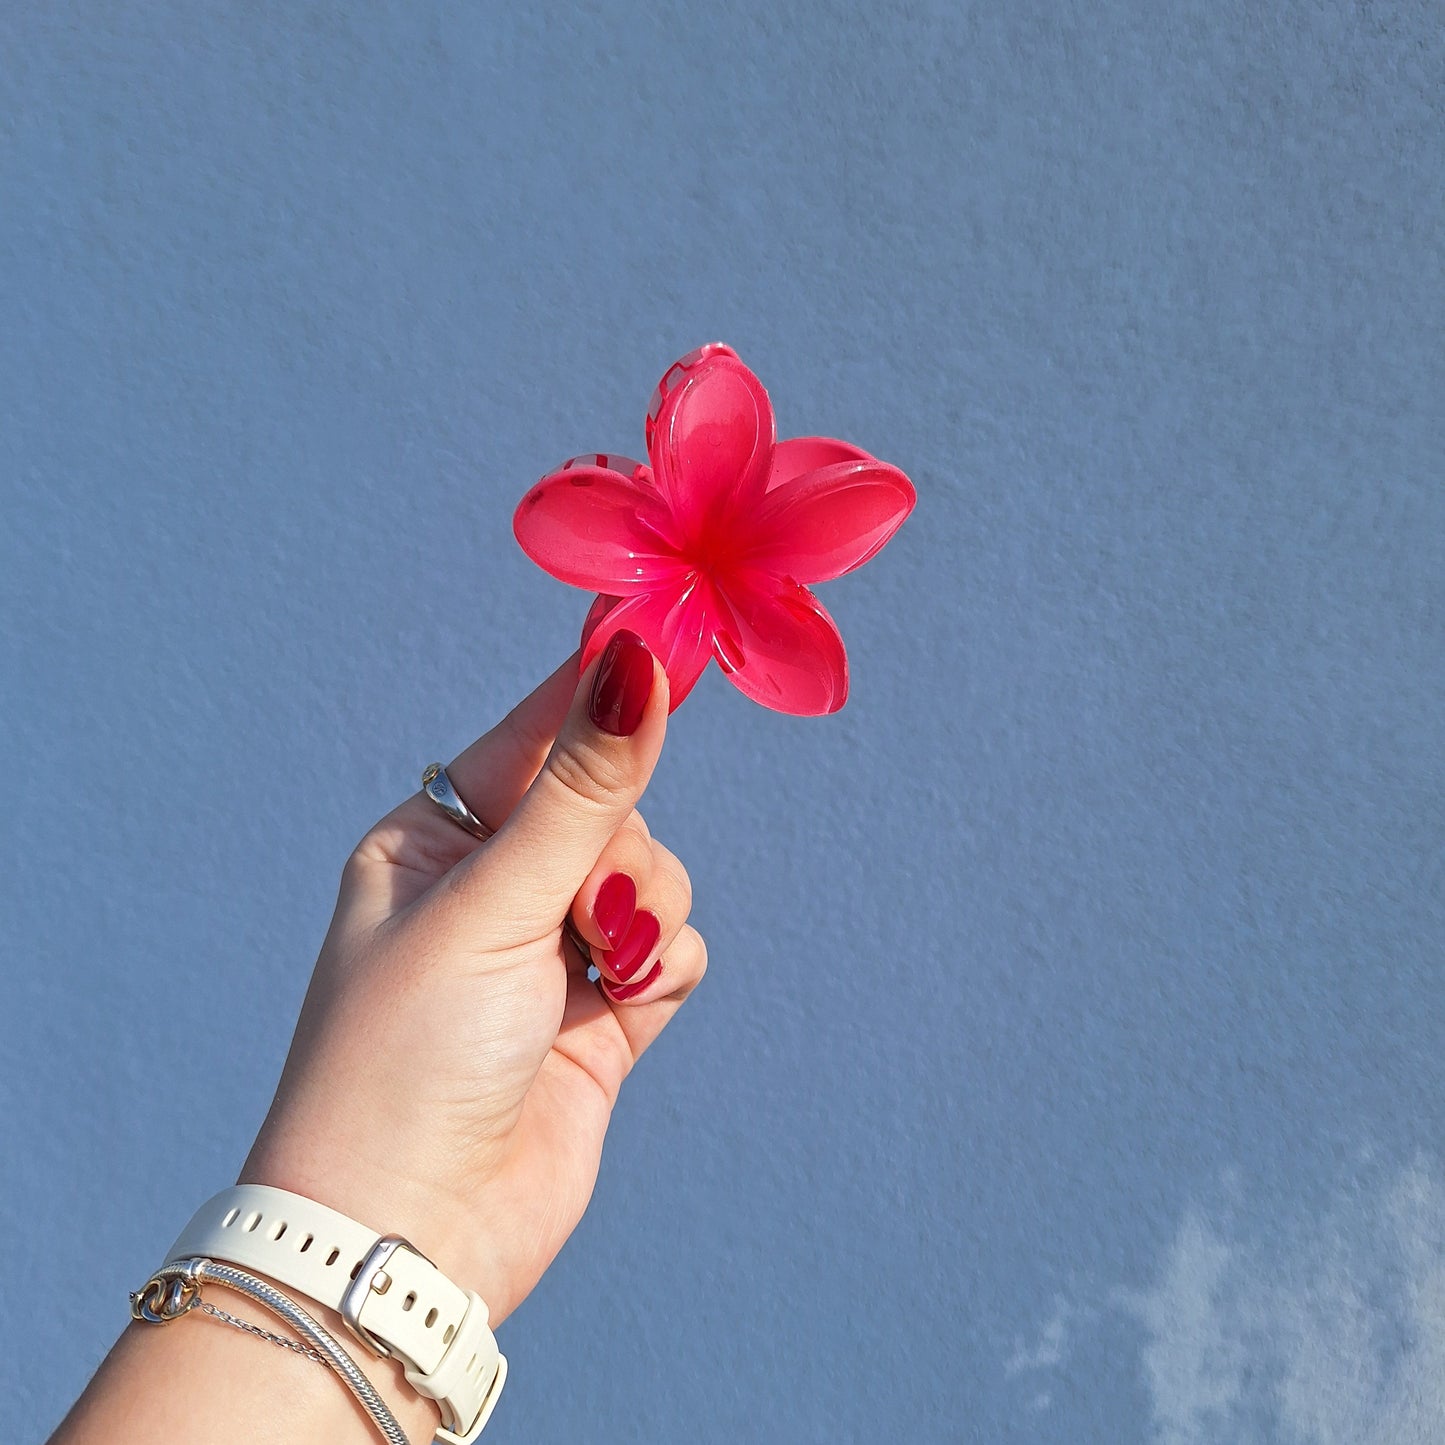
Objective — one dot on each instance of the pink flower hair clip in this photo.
(704, 554)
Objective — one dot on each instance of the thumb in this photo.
(601, 761)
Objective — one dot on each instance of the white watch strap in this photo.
(391, 1296)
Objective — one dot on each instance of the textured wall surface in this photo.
(1070, 1063)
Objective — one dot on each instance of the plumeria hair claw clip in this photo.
(704, 553)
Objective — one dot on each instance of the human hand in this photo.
(453, 1070)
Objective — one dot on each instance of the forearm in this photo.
(201, 1380)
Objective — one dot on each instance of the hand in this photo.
(453, 1071)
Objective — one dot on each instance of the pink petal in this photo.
(594, 526)
(778, 646)
(710, 435)
(806, 454)
(675, 623)
(827, 522)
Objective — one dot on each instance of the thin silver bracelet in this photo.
(175, 1290)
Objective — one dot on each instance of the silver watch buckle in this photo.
(372, 1277)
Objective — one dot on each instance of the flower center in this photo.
(716, 549)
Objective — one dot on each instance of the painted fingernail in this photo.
(632, 952)
(621, 992)
(615, 905)
(622, 685)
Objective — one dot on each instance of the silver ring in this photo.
(442, 791)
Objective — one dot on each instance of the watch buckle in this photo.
(373, 1269)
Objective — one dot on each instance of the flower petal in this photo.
(829, 521)
(675, 623)
(777, 645)
(593, 525)
(710, 435)
(797, 455)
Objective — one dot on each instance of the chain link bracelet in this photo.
(175, 1290)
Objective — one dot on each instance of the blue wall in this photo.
(1075, 993)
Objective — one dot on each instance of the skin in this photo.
(453, 1070)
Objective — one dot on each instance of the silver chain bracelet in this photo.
(206, 1307)
(175, 1290)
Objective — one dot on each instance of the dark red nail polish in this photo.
(615, 905)
(619, 992)
(622, 685)
(640, 940)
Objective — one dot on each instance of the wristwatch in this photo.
(390, 1295)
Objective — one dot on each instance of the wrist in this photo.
(291, 1252)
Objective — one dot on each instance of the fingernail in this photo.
(622, 685)
(615, 905)
(631, 990)
(632, 952)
